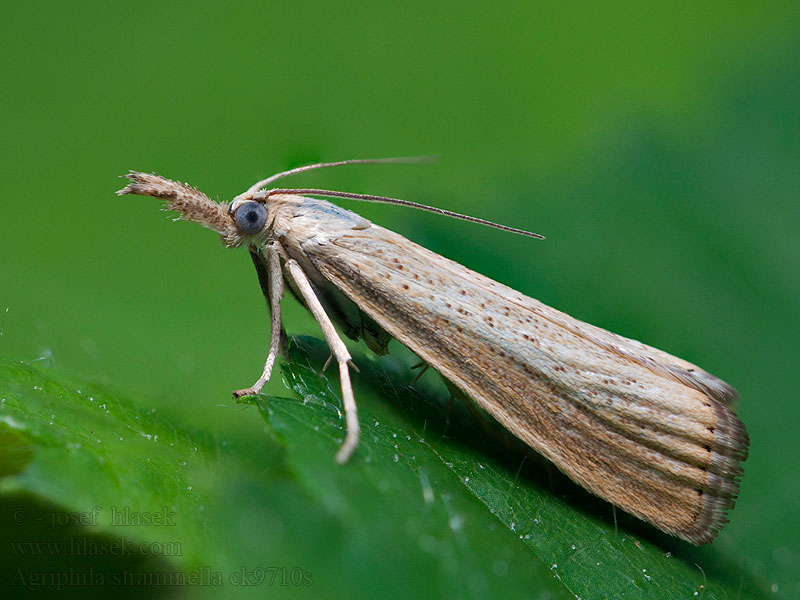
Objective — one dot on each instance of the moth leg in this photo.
(450, 406)
(328, 364)
(340, 353)
(423, 368)
(275, 292)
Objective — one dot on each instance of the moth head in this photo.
(192, 204)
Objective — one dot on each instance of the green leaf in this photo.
(425, 475)
(430, 505)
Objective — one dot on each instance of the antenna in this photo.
(353, 161)
(386, 200)
(256, 191)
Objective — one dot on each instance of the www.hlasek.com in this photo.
(83, 546)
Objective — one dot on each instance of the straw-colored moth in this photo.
(649, 432)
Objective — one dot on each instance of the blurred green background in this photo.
(656, 147)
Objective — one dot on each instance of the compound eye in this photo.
(250, 217)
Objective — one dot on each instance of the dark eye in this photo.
(250, 217)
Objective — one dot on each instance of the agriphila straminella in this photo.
(649, 432)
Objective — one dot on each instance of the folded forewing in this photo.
(639, 427)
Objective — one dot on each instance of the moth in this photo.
(649, 432)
